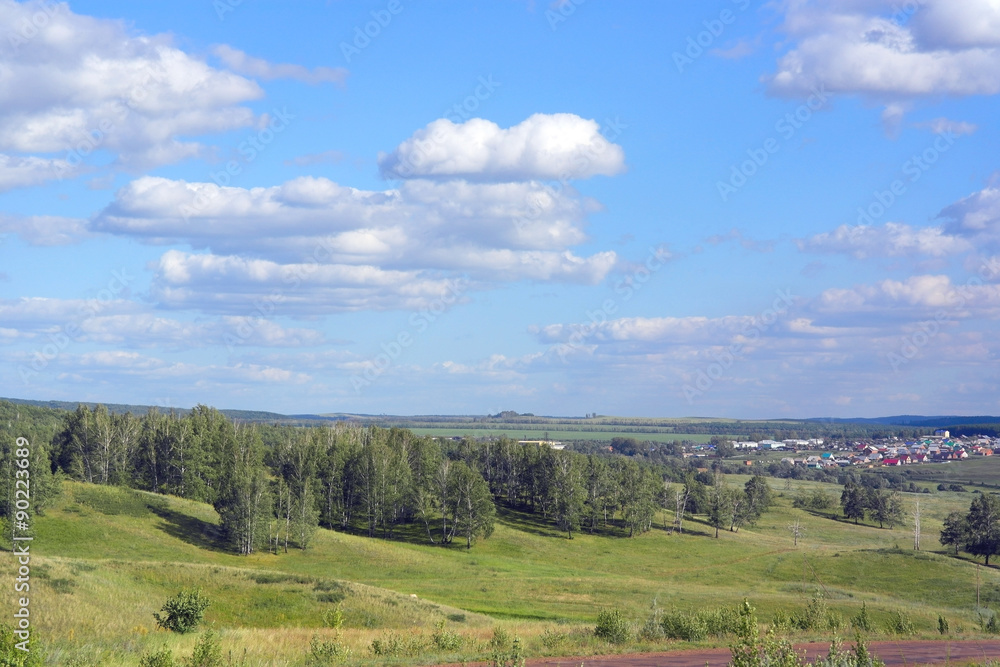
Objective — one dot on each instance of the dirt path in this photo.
(893, 653)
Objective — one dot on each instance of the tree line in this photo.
(976, 532)
(272, 486)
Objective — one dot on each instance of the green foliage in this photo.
(817, 500)
(392, 645)
(207, 652)
(501, 639)
(695, 626)
(816, 615)
(552, 639)
(326, 652)
(183, 612)
(333, 618)
(863, 621)
(992, 626)
(685, 626)
(943, 628)
(11, 656)
(162, 658)
(512, 658)
(652, 629)
(446, 640)
(612, 626)
(899, 623)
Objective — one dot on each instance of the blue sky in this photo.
(728, 208)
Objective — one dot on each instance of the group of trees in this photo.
(882, 505)
(978, 531)
(272, 486)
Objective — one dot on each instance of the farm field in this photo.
(532, 432)
(101, 548)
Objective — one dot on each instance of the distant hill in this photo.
(920, 421)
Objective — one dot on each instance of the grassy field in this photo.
(977, 470)
(526, 432)
(104, 559)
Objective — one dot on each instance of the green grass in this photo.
(105, 559)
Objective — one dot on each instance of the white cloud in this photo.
(84, 84)
(239, 61)
(921, 295)
(893, 239)
(558, 146)
(352, 249)
(21, 172)
(45, 230)
(946, 126)
(857, 47)
(978, 215)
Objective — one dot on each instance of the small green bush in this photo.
(11, 656)
(445, 640)
(552, 639)
(612, 626)
(501, 639)
(333, 618)
(685, 626)
(161, 658)
(863, 621)
(207, 652)
(324, 653)
(942, 625)
(512, 658)
(899, 624)
(183, 612)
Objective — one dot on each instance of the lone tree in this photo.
(983, 522)
(955, 531)
(853, 502)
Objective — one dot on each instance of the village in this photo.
(938, 448)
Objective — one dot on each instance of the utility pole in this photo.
(916, 526)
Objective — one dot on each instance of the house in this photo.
(941, 433)
(891, 462)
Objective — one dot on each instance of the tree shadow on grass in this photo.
(192, 530)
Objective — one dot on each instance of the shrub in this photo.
(12, 656)
(782, 621)
(722, 621)
(814, 617)
(512, 658)
(161, 658)
(183, 612)
(207, 652)
(942, 625)
(900, 624)
(680, 625)
(991, 626)
(333, 618)
(501, 639)
(863, 621)
(552, 639)
(445, 640)
(394, 645)
(612, 626)
(323, 653)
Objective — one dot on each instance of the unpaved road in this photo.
(893, 653)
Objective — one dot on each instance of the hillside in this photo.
(101, 548)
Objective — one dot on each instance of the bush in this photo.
(183, 612)
(161, 658)
(207, 652)
(942, 625)
(612, 626)
(863, 621)
(814, 617)
(899, 624)
(680, 625)
(722, 621)
(501, 639)
(12, 656)
(552, 639)
(323, 653)
(445, 640)
(333, 618)
(394, 645)
(512, 658)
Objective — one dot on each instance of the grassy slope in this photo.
(108, 561)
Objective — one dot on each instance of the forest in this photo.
(272, 486)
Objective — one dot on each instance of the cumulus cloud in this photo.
(871, 48)
(545, 146)
(349, 249)
(923, 295)
(240, 62)
(893, 239)
(82, 84)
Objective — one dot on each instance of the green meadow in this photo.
(522, 432)
(105, 559)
